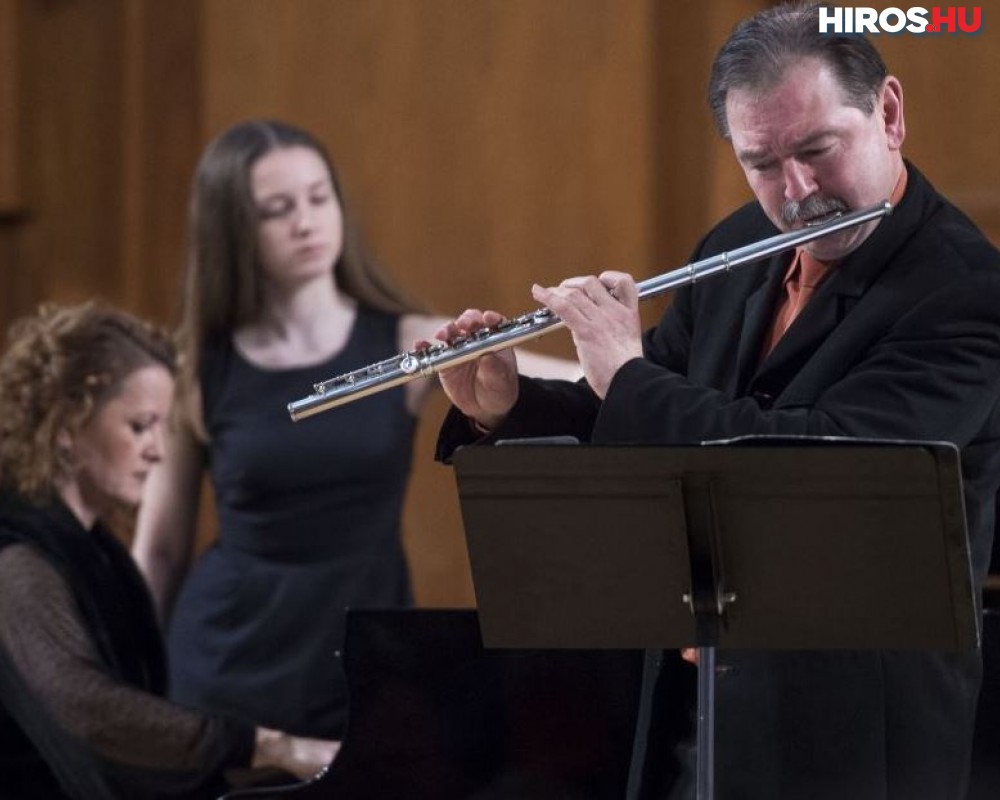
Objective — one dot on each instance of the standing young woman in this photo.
(280, 295)
(84, 395)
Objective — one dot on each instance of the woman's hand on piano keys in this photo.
(303, 757)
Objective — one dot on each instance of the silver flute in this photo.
(427, 361)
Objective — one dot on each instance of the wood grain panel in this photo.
(109, 120)
(698, 179)
(70, 150)
(10, 183)
(11, 203)
(953, 120)
(160, 129)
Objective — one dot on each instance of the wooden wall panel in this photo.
(107, 120)
(697, 178)
(953, 120)
(71, 148)
(10, 180)
(10, 184)
(161, 142)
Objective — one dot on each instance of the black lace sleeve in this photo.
(101, 738)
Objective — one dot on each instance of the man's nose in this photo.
(799, 180)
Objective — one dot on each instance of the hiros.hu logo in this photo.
(939, 19)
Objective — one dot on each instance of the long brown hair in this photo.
(58, 369)
(223, 287)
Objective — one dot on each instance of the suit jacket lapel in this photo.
(813, 325)
(757, 314)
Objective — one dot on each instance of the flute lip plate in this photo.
(815, 221)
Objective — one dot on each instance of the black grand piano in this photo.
(434, 716)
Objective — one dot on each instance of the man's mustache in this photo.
(811, 208)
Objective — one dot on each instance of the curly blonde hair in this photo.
(57, 370)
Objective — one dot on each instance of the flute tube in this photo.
(406, 367)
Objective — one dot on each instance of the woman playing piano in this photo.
(85, 393)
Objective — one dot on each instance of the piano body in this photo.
(434, 716)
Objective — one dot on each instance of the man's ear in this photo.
(891, 109)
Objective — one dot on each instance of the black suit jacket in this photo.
(901, 341)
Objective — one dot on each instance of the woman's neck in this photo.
(72, 495)
(299, 327)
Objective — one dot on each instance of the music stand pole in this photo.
(707, 601)
(705, 737)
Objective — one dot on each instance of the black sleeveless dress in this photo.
(309, 525)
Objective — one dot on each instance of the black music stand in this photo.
(673, 547)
